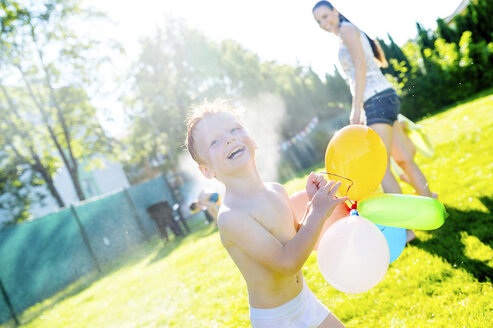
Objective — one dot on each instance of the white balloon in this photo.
(353, 255)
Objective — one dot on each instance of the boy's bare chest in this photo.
(274, 214)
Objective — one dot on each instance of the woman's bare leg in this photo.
(404, 158)
(389, 183)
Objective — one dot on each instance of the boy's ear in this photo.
(206, 172)
(255, 144)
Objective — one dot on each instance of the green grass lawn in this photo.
(442, 279)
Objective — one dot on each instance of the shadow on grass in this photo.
(166, 249)
(198, 231)
(131, 258)
(447, 243)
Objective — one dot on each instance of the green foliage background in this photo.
(441, 67)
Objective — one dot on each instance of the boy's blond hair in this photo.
(200, 112)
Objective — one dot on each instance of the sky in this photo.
(284, 31)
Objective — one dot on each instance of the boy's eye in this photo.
(234, 129)
(213, 143)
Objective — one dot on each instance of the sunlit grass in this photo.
(442, 279)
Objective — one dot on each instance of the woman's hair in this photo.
(375, 45)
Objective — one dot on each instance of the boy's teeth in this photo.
(234, 152)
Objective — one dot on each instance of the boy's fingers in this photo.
(327, 187)
(315, 179)
(324, 187)
(341, 199)
(322, 183)
(310, 180)
(319, 181)
(334, 189)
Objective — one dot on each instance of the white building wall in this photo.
(110, 178)
(65, 188)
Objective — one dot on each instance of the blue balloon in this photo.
(396, 238)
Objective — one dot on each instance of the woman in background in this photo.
(374, 101)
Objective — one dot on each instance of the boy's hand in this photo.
(314, 183)
(324, 201)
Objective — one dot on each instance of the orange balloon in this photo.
(356, 152)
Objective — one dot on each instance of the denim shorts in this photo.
(382, 107)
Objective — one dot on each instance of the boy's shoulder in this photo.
(231, 219)
(230, 215)
(231, 222)
(276, 187)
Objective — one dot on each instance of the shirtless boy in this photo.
(256, 221)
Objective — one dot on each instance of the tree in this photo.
(54, 65)
(18, 138)
(337, 90)
(11, 12)
(16, 185)
(445, 32)
(179, 66)
(47, 119)
(445, 65)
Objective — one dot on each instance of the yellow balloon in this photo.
(358, 155)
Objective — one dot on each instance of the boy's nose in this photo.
(230, 140)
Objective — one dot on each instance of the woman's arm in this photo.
(351, 38)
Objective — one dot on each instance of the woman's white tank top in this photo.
(375, 81)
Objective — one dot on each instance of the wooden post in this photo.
(86, 240)
(135, 213)
(9, 304)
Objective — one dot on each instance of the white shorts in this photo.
(303, 311)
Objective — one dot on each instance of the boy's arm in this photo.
(299, 201)
(249, 235)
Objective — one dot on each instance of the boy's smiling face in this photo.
(223, 144)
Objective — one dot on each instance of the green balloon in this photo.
(403, 211)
